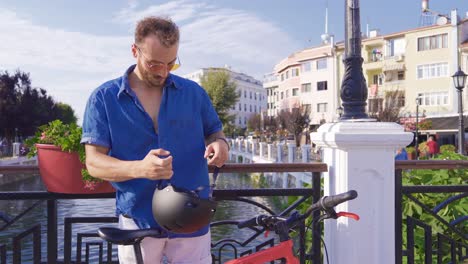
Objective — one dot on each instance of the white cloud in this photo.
(71, 64)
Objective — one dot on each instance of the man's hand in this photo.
(154, 166)
(217, 153)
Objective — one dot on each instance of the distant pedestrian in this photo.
(401, 154)
(433, 147)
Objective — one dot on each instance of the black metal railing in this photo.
(457, 239)
(86, 241)
(435, 245)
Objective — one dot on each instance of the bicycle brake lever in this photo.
(347, 214)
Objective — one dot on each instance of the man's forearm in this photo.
(109, 168)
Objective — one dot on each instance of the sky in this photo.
(70, 47)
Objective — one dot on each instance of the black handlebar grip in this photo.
(333, 200)
(251, 222)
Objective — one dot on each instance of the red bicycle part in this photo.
(282, 250)
(349, 215)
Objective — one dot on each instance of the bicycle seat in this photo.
(127, 237)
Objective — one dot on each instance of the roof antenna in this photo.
(326, 37)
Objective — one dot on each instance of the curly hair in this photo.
(166, 30)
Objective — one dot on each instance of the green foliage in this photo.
(410, 150)
(447, 148)
(449, 213)
(24, 108)
(222, 92)
(65, 136)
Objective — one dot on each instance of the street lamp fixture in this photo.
(459, 80)
(339, 111)
(416, 143)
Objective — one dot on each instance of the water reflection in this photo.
(106, 207)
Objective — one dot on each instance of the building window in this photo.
(306, 66)
(306, 87)
(295, 72)
(287, 93)
(240, 122)
(250, 94)
(434, 70)
(322, 108)
(255, 108)
(282, 95)
(255, 96)
(245, 107)
(287, 75)
(282, 77)
(433, 42)
(307, 108)
(322, 64)
(322, 86)
(434, 99)
(295, 91)
(250, 108)
(240, 106)
(245, 94)
(401, 75)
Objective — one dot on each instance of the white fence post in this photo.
(305, 153)
(360, 156)
(291, 150)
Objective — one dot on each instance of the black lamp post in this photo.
(459, 79)
(353, 88)
(416, 143)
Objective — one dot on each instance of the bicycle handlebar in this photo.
(326, 203)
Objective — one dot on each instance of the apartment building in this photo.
(252, 95)
(306, 78)
(416, 63)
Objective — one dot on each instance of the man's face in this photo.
(154, 61)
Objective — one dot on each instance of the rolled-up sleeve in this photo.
(95, 122)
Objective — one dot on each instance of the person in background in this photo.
(432, 146)
(401, 154)
(149, 128)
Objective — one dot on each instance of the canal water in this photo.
(106, 207)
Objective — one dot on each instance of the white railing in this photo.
(274, 152)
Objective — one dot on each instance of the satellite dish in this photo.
(441, 21)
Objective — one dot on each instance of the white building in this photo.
(252, 95)
(306, 78)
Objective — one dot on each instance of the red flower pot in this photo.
(61, 172)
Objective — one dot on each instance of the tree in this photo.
(222, 92)
(24, 108)
(254, 123)
(65, 113)
(295, 121)
(392, 107)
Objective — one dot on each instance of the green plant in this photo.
(450, 212)
(410, 150)
(447, 148)
(65, 136)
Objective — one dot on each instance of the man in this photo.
(150, 127)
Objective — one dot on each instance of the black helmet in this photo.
(181, 211)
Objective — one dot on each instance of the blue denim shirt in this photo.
(114, 118)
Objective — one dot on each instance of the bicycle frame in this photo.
(283, 250)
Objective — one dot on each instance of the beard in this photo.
(151, 79)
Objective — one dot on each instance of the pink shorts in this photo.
(192, 250)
